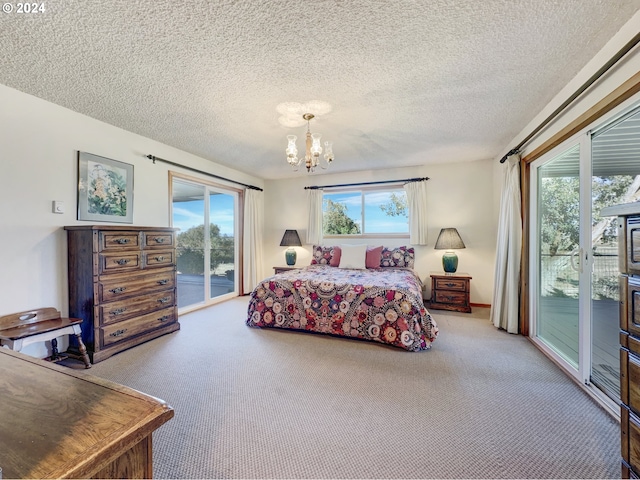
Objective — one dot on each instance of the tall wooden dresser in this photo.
(629, 266)
(122, 284)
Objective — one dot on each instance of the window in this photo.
(374, 211)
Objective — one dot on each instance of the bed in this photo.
(381, 304)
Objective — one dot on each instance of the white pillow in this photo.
(353, 256)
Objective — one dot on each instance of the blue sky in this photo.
(191, 214)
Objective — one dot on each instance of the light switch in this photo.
(58, 206)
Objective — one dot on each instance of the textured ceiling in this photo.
(409, 82)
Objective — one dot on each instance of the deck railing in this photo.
(560, 279)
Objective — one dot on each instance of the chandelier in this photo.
(313, 150)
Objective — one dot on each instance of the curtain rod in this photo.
(621, 53)
(154, 159)
(406, 180)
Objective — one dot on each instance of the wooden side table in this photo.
(284, 269)
(450, 291)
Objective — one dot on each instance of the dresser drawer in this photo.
(630, 439)
(450, 284)
(161, 258)
(135, 326)
(450, 297)
(121, 310)
(115, 240)
(631, 317)
(158, 239)
(630, 380)
(633, 246)
(118, 262)
(126, 286)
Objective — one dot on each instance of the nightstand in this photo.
(450, 291)
(284, 269)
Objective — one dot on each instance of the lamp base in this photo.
(450, 262)
(290, 256)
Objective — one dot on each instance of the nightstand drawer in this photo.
(451, 297)
(451, 284)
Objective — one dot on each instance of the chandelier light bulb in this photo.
(316, 149)
(328, 151)
(292, 151)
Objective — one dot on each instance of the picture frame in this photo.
(105, 189)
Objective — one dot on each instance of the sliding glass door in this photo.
(615, 179)
(207, 245)
(557, 243)
(574, 254)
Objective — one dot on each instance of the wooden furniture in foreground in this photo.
(122, 284)
(450, 291)
(61, 423)
(283, 269)
(629, 266)
(17, 330)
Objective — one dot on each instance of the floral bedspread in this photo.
(378, 304)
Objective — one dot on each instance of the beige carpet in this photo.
(253, 403)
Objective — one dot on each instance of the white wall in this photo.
(460, 195)
(38, 164)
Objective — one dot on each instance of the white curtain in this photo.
(417, 203)
(252, 238)
(314, 229)
(505, 306)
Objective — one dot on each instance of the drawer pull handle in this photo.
(164, 318)
(118, 333)
(449, 297)
(159, 258)
(118, 311)
(159, 239)
(163, 282)
(122, 241)
(122, 261)
(164, 299)
(118, 289)
(450, 284)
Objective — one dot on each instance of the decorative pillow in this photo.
(397, 257)
(353, 256)
(373, 256)
(335, 259)
(325, 255)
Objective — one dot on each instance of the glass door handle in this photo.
(572, 255)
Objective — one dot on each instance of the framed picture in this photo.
(105, 189)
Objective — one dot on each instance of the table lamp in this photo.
(290, 239)
(449, 239)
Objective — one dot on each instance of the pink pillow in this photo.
(335, 259)
(374, 255)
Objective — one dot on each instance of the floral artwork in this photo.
(378, 304)
(105, 189)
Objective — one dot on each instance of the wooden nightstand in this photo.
(284, 269)
(450, 291)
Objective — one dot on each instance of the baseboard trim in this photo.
(481, 305)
